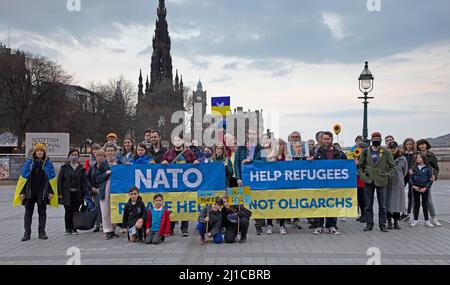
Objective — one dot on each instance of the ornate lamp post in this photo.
(365, 86)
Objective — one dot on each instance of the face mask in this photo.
(73, 159)
(376, 143)
(207, 154)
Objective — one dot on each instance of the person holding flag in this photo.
(37, 185)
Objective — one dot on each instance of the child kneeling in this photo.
(158, 221)
(210, 222)
(134, 216)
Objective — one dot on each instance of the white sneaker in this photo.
(428, 224)
(343, 219)
(269, 230)
(318, 231)
(413, 223)
(436, 223)
(283, 230)
(333, 231)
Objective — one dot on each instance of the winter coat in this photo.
(158, 156)
(132, 213)
(241, 154)
(90, 178)
(101, 178)
(229, 217)
(67, 179)
(421, 177)
(376, 173)
(215, 219)
(395, 192)
(123, 158)
(433, 162)
(164, 230)
(36, 181)
(321, 154)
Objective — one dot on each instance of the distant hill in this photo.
(442, 141)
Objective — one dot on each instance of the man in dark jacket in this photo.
(375, 166)
(155, 149)
(134, 215)
(327, 151)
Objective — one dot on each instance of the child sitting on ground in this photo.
(134, 216)
(235, 219)
(210, 222)
(158, 221)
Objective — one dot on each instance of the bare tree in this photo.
(114, 107)
(31, 93)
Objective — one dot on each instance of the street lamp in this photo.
(365, 86)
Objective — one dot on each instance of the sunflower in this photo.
(337, 129)
(357, 152)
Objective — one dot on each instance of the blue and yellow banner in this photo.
(297, 189)
(178, 183)
(291, 189)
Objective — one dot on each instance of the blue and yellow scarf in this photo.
(25, 173)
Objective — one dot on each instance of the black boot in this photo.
(383, 228)
(396, 225)
(26, 236)
(390, 225)
(243, 239)
(368, 228)
(43, 235)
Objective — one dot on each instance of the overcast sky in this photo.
(298, 60)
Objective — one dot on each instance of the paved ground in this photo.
(408, 246)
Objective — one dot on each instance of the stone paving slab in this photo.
(418, 245)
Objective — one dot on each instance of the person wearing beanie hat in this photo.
(111, 138)
(72, 185)
(36, 185)
(375, 167)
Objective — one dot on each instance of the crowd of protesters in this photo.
(387, 170)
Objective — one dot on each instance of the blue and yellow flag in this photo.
(220, 105)
(25, 174)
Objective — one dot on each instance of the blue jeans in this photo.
(201, 227)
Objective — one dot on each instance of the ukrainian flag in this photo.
(220, 105)
(25, 174)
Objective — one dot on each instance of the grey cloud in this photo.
(231, 66)
(289, 29)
